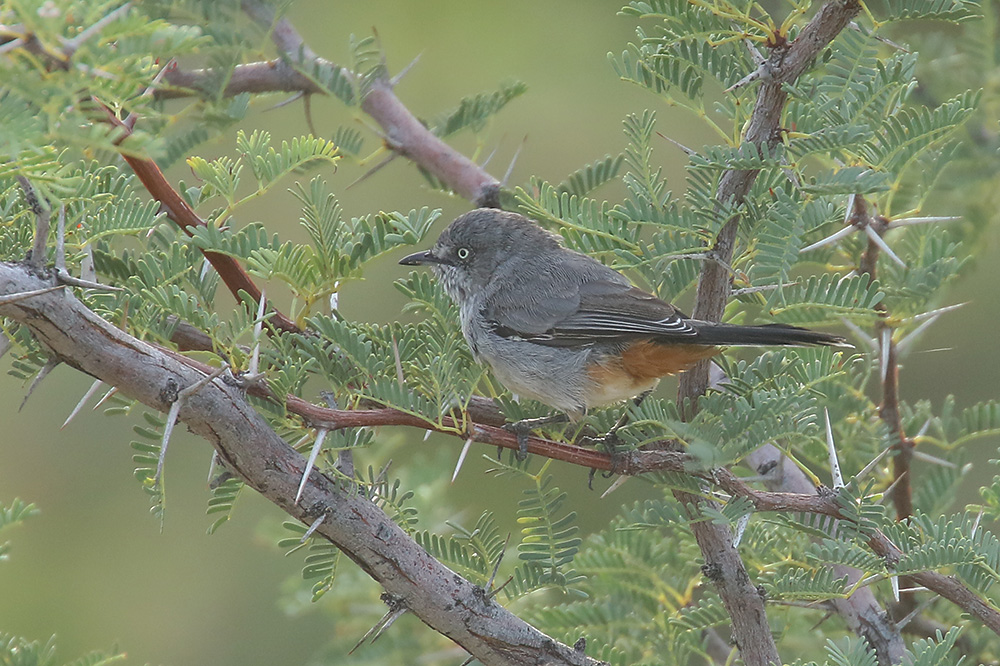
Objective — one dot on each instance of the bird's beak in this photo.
(420, 258)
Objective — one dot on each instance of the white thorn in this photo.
(884, 351)
(394, 81)
(838, 478)
(320, 436)
(906, 221)
(975, 524)
(257, 327)
(741, 526)
(850, 207)
(105, 397)
(212, 464)
(923, 429)
(878, 240)
(312, 527)
(895, 587)
(832, 238)
(887, 493)
(168, 429)
(907, 341)
(921, 607)
(461, 459)
(926, 457)
(86, 396)
(427, 435)
(201, 383)
(42, 374)
(870, 466)
(930, 314)
(285, 102)
(615, 486)
(24, 295)
(513, 161)
(205, 267)
(868, 340)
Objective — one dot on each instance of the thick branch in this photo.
(219, 413)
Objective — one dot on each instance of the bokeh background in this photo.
(94, 567)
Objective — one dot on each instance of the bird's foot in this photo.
(523, 429)
(612, 444)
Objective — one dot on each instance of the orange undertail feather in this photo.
(640, 368)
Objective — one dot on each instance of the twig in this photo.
(42, 216)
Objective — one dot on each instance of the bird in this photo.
(560, 327)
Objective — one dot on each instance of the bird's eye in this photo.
(463, 253)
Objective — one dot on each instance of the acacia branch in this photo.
(442, 599)
(784, 65)
(404, 133)
(232, 273)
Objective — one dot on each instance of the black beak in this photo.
(420, 258)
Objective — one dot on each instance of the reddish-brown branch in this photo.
(902, 487)
(404, 133)
(230, 270)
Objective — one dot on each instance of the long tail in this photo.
(770, 334)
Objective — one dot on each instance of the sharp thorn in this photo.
(42, 374)
(868, 340)
(831, 447)
(878, 240)
(320, 436)
(832, 238)
(870, 466)
(212, 464)
(168, 429)
(313, 527)
(104, 398)
(375, 169)
(461, 459)
(86, 396)
(394, 81)
(615, 485)
(513, 161)
(25, 295)
(884, 350)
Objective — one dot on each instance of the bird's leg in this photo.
(611, 440)
(525, 427)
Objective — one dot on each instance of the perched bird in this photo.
(561, 327)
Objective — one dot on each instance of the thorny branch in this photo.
(403, 132)
(406, 136)
(442, 599)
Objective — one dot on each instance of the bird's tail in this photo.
(725, 335)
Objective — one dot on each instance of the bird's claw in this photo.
(521, 430)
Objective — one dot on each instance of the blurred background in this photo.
(94, 567)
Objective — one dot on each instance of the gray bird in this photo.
(562, 328)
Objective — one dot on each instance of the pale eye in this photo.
(463, 253)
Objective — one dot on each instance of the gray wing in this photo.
(584, 303)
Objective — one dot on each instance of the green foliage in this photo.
(18, 651)
(857, 123)
(17, 512)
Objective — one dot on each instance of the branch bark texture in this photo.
(249, 447)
